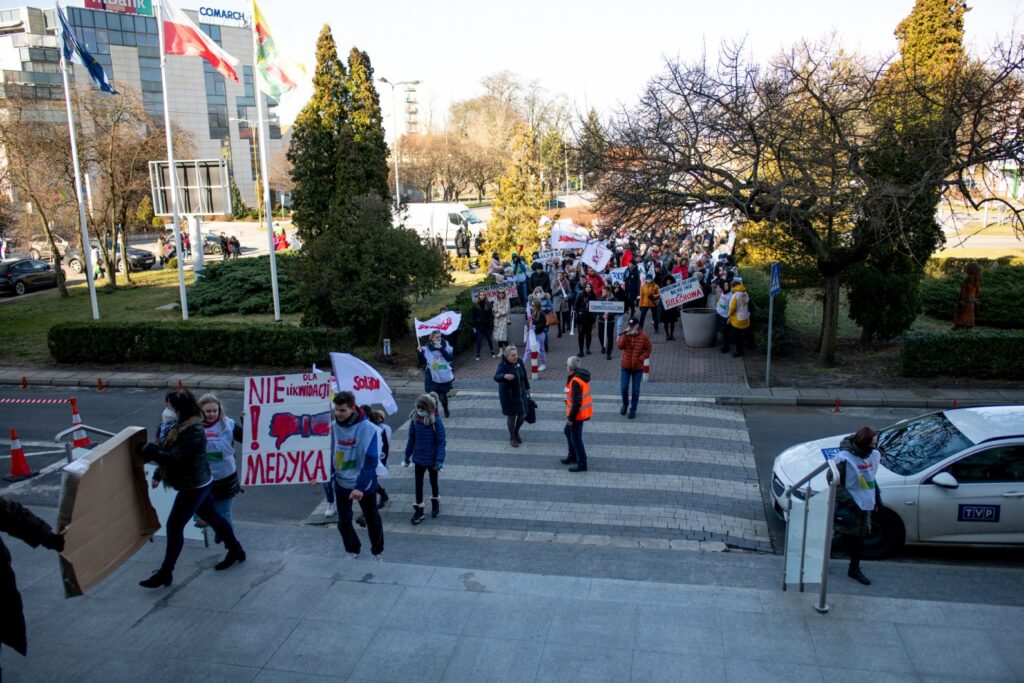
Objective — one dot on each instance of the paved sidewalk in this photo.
(295, 611)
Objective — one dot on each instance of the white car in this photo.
(954, 477)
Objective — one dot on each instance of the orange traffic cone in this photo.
(19, 465)
(81, 439)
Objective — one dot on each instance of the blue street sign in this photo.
(776, 282)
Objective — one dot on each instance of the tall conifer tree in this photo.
(371, 148)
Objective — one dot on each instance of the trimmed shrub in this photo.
(1001, 301)
(940, 267)
(243, 286)
(757, 282)
(979, 354)
(198, 343)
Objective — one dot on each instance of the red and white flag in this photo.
(183, 37)
(446, 323)
(565, 235)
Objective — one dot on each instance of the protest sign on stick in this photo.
(597, 255)
(509, 287)
(287, 429)
(602, 306)
(445, 323)
(681, 292)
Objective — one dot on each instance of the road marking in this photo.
(603, 480)
(624, 429)
(29, 455)
(52, 467)
(643, 452)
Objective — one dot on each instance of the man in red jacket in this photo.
(636, 348)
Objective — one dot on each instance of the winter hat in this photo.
(634, 321)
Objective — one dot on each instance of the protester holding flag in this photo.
(182, 459)
(519, 273)
(438, 375)
(356, 446)
(426, 450)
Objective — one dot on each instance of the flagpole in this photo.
(261, 139)
(170, 162)
(87, 252)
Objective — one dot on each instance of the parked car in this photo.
(21, 275)
(555, 203)
(39, 247)
(138, 259)
(954, 477)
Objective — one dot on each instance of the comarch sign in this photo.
(218, 14)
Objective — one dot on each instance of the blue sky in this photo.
(598, 53)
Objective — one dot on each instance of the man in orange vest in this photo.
(578, 409)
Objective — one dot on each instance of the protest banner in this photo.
(616, 276)
(446, 323)
(597, 255)
(565, 235)
(492, 290)
(287, 438)
(681, 292)
(602, 306)
(550, 255)
(355, 375)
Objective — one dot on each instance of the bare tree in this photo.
(483, 166)
(785, 146)
(423, 158)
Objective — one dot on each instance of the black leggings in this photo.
(420, 469)
(186, 504)
(670, 330)
(514, 423)
(855, 548)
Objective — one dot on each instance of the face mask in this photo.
(421, 412)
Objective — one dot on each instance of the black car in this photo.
(138, 259)
(21, 275)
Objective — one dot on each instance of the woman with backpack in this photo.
(426, 450)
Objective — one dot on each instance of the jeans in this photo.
(521, 286)
(368, 504)
(224, 508)
(420, 469)
(329, 492)
(542, 355)
(584, 335)
(481, 336)
(574, 437)
(627, 377)
(194, 502)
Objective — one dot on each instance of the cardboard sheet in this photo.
(105, 511)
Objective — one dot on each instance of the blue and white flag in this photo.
(75, 52)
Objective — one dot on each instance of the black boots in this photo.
(857, 575)
(159, 578)
(417, 514)
(231, 558)
(435, 507)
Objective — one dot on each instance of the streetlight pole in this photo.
(394, 134)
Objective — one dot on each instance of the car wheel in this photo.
(19, 288)
(887, 535)
(75, 265)
(33, 253)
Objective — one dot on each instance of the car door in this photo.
(986, 507)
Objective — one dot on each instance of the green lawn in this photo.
(428, 306)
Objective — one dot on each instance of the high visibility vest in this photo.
(586, 404)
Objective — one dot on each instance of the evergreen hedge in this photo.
(1001, 301)
(197, 343)
(757, 283)
(243, 286)
(978, 354)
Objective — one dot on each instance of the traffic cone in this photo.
(19, 465)
(81, 439)
(99, 384)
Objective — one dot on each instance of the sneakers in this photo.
(417, 514)
(493, 355)
(330, 511)
(542, 368)
(478, 357)
(351, 556)
(377, 558)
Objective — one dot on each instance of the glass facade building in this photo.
(219, 113)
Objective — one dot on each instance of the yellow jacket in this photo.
(649, 294)
(739, 307)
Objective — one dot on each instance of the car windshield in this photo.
(470, 216)
(914, 445)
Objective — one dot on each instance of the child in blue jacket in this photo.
(425, 449)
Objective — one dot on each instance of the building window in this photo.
(10, 15)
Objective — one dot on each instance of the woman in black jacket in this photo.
(182, 460)
(513, 392)
(584, 318)
(483, 323)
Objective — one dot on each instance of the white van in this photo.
(439, 219)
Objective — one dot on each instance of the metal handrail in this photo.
(833, 480)
(68, 447)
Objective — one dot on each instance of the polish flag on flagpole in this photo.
(183, 37)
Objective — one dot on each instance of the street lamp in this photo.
(394, 121)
